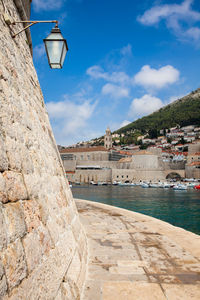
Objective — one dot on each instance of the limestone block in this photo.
(32, 217)
(3, 236)
(15, 186)
(33, 250)
(13, 259)
(14, 221)
(14, 152)
(27, 164)
(33, 184)
(44, 281)
(3, 194)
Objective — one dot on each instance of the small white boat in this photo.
(153, 185)
(180, 187)
(145, 185)
(115, 182)
(93, 183)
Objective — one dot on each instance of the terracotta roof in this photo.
(76, 150)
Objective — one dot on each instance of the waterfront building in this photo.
(100, 164)
(193, 161)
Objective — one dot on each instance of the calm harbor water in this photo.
(180, 208)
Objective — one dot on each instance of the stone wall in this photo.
(42, 243)
(85, 176)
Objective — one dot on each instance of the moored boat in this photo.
(145, 185)
(180, 187)
(197, 187)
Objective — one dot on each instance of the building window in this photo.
(82, 157)
(122, 176)
(117, 176)
(127, 176)
(88, 157)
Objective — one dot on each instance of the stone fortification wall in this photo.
(85, 176)
(42, 244)
(193, 148)
(137, 175)
(145, 162)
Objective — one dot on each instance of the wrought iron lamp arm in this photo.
(30, 24)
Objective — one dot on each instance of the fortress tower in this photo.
(108, 139)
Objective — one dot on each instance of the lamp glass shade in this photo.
(56, 48)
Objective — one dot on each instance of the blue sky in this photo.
(126, 59)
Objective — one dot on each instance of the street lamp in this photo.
(56, 48)
(55, 45)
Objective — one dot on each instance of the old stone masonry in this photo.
(41, 239)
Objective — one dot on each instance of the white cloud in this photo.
(149, 77)
(175, 15)
(69, 119)
(39, 50)
(115, 91)
(144, 106)
(96, 72)
(47, 5)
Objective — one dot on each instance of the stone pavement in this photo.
(133, 256)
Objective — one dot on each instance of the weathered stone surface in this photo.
(3, 287)
(15, 186)
(131, 256)
(32, 215)
(14, 221)
(3, 194)
(44, 281)
(14, 263)
(132, 291)
(74, 269)
(36, 244)
(3, 157)
(3, 235)
(37, 241)
(14, 152)
(180, 292)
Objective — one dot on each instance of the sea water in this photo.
(178, 207)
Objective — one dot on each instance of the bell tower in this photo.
(108, 139)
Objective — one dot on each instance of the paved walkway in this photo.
(132, 256)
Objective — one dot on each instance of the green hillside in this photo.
(183, 112)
